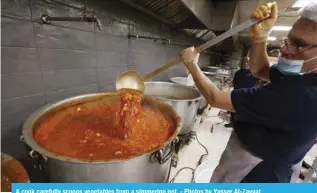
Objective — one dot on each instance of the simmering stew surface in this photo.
(97, 130)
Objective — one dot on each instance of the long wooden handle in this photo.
(161, 69)
(206, 45)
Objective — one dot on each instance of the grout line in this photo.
(24, 72)
(70, 69)
(25, 96)
(13, 46)
(43, 93)
(75, 87)
(53, 70)
(61, 26)
(16, 18)
(37, 51)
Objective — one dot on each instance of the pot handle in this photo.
(39, 160)
(159, 156)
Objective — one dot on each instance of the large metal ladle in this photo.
(133, 80)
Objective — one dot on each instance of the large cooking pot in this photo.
(184, 99)
(184, 81)
(151, 166)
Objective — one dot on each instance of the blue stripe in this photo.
(162, 188)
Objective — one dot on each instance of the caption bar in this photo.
(161, 188)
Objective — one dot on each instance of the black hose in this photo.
(198, 163)
(183, 168)
(203, 155)
(169, 171)
(201, 143)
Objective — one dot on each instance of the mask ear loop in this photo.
(312, 69)
(313, 58)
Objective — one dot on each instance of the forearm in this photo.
(214, 96)
(258, 57)
(259, 61)
(205, 86)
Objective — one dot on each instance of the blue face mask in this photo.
(292, 67)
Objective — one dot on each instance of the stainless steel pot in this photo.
(153, 166)
(183, 81)
(184, 99)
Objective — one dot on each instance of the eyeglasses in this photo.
(297, 46)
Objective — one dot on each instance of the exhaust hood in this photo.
(202, 18)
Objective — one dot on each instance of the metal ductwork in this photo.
(173, 12)
(226, 16)
(218, 16)
(202, 10)
(201, 18)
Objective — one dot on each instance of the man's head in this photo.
(302, 38)
(245, 64)
(246, 60)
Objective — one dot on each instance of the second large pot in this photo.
(185, 100)
(183, 81)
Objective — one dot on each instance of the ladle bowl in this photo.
(130, 79)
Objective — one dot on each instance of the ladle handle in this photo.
(233, 31)
(161, 69)
(214, 41)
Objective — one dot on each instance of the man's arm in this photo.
(214, 96)
(259, 62)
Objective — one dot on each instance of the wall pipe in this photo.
(163, 40)
(48, 19)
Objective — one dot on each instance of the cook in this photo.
(276, 124)
(242, 79)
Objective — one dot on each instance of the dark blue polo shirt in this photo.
(278, 122)
(243, 79)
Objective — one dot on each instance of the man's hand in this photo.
(261, 31)
(259, 61)
(189, 56)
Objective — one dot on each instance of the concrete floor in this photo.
(215, 143)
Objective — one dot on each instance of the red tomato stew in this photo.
(107, 131)
(130, 108)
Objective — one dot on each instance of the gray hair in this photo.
(309, 11)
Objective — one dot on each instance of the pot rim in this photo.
(27, 130)
(178, 85)
(172, 81)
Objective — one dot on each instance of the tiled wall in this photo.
(43, 63)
